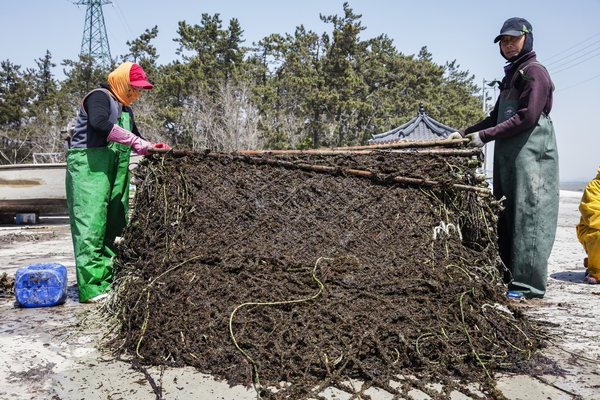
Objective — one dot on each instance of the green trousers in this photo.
(97, 184)
(526, 175)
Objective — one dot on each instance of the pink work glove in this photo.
(123, 136)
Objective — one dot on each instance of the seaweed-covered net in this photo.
(318, 268)
(7, 286)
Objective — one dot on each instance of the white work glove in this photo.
(474, 140)
(123, 136)
(454, 136)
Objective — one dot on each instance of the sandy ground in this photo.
(37, 361)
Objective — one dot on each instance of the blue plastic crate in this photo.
(41, 285)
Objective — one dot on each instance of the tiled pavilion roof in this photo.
(420, 128)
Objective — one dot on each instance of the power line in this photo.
(580, 83)
(574, 59)
(572, 54)
(122, 19)
(571, 66)
(130, 36)
(572, 47)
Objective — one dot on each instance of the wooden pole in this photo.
(245, 155)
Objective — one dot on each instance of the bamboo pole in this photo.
(425, 143)
(335, 151)
(339, 151)
(246, 155)
(365, 174)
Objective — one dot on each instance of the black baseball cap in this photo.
(514, 27)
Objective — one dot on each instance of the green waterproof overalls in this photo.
(526, 173)
(97, 184)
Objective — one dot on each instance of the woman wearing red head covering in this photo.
(97, 180)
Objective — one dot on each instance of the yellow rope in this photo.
(272, 303)
(462, 313)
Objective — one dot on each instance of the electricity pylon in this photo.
(95, 40)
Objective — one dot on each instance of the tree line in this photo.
(291, 91)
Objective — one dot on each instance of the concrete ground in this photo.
(42, 357)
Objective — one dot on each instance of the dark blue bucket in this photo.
(41, 285)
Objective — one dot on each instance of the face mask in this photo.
(119, 83)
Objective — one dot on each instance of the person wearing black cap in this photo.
(525, 161)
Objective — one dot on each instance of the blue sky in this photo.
(566, 39)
